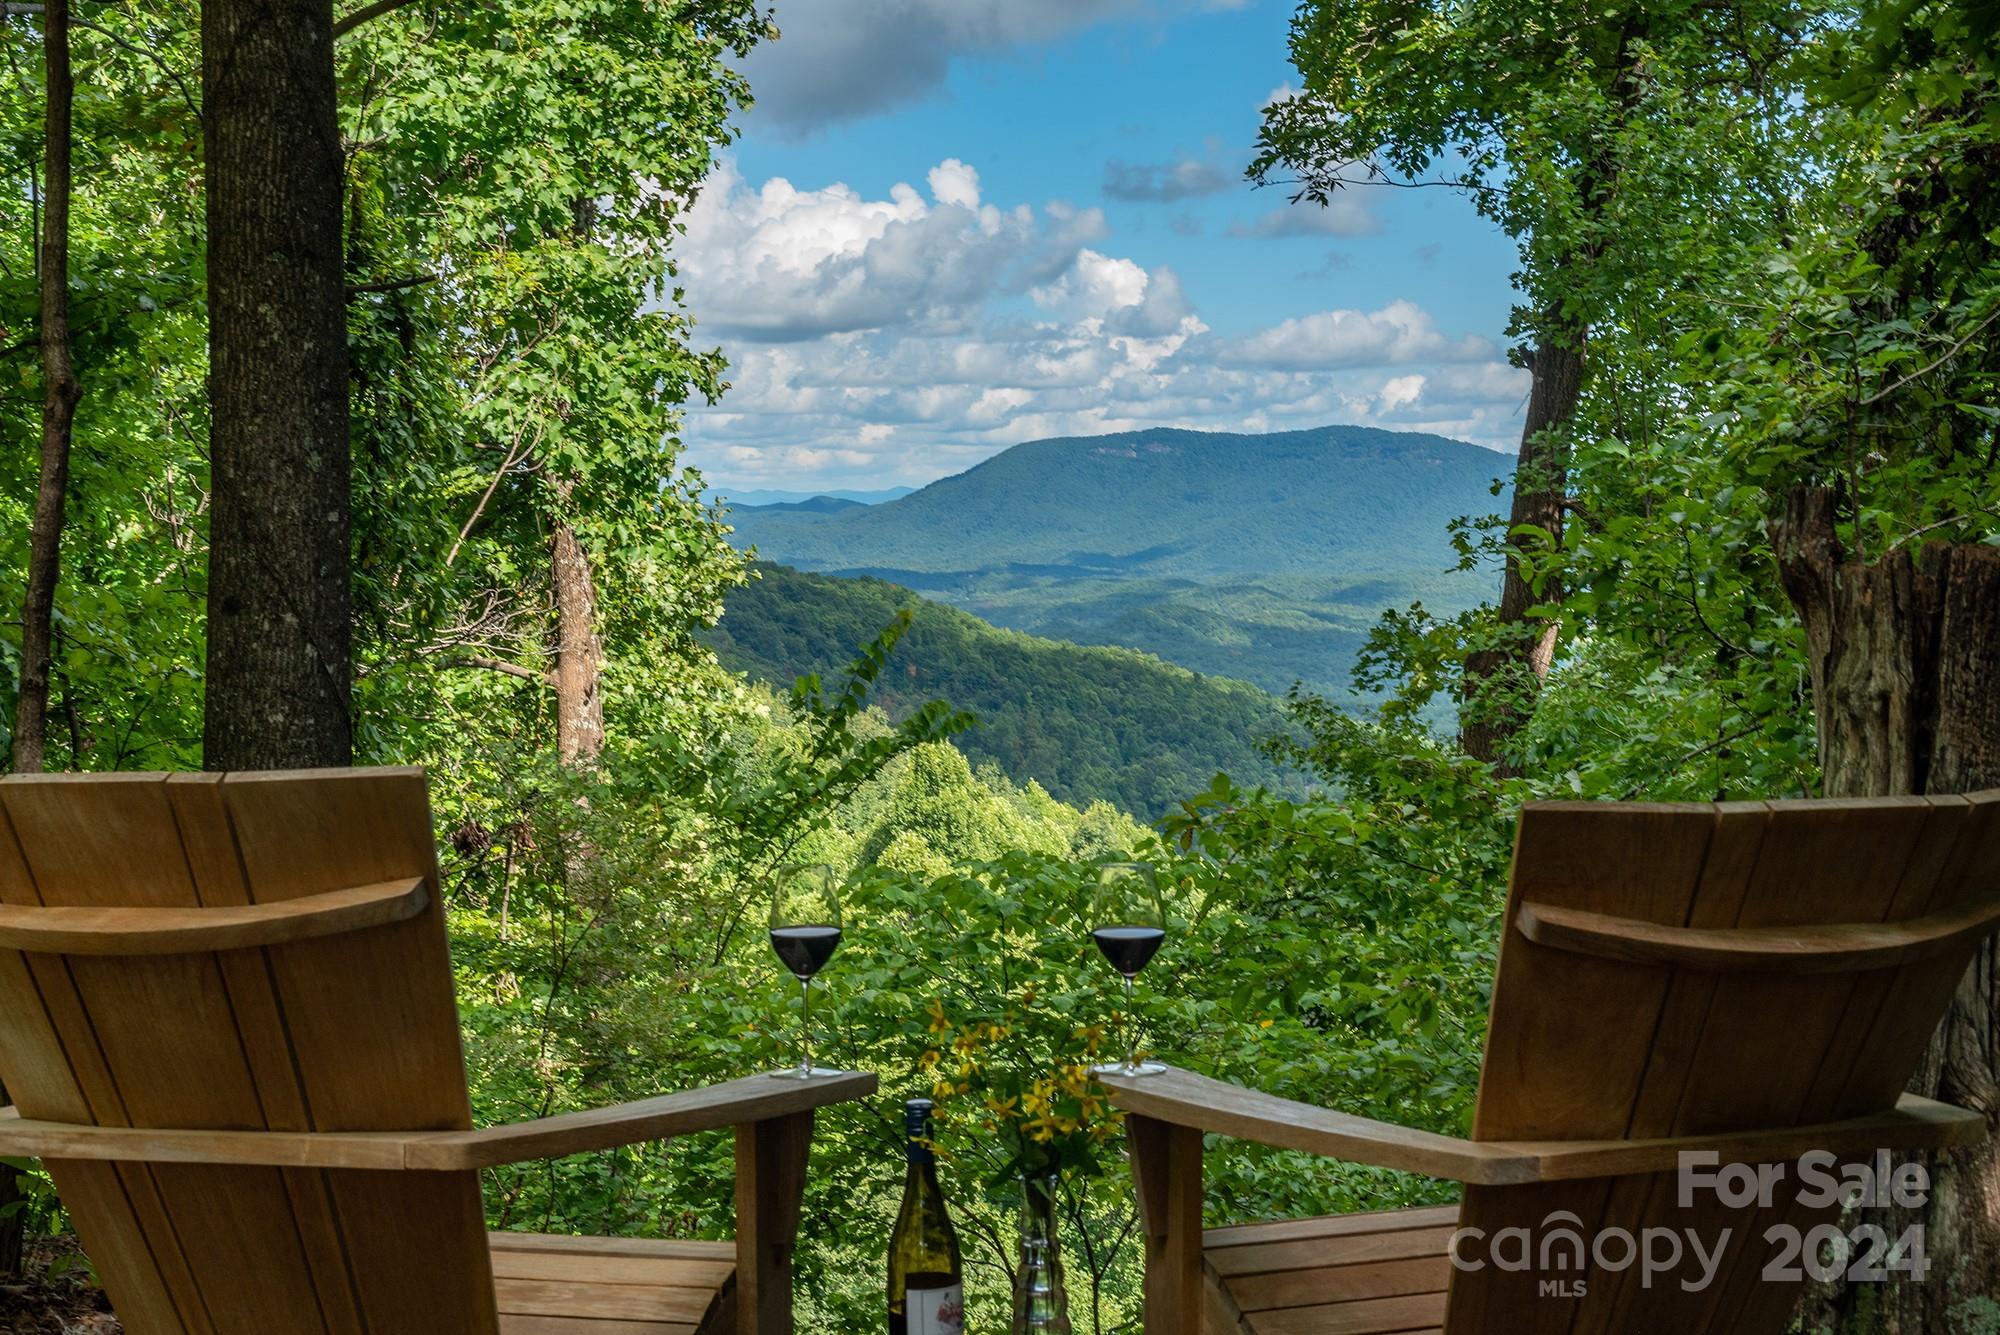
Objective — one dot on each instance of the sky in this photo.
(950, 226)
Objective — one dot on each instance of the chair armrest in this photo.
(736, 1103)
(1181, 1098)
(755, 1098)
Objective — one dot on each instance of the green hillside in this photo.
(1269, 630)
(1086, 722)
(1264, 558)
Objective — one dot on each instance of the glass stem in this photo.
(805, 1026)
(1131, 1030)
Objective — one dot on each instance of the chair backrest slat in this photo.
(1588, 1046)
(353, 1032)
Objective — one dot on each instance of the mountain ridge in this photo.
(1215, 504)
(763, 496)
(1265, 558)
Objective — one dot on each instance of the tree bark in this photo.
(1501, 681)
(279, 633)
(60, 392)
(1905, 658)
(579, 652)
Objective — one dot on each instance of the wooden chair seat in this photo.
(550, 1285)
(1358, 1274)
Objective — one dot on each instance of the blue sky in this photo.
(953, 225)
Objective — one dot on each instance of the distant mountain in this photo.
(1265, 558)
(756, 496)
(819, 505)
(1087, 723)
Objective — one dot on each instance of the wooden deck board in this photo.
(548, 1284)
(1369, 1316)
(1361, 1274)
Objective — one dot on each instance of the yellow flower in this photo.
(939, 1024)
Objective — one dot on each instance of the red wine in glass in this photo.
(1131, 927)
(805, 950)
(1129, 949)
(805, 929)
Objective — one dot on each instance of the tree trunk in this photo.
(1905, 657)
(279, 633)
(60, 393)
(579, 652)
(1501, 681)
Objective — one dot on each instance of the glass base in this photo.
(804, 1073)
(1130, 1069)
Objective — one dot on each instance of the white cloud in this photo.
(954, 183)
(1095, 285)
(1400, 392)
(1343, 215)
(1400, 332)
(896, 339)
(781, 263)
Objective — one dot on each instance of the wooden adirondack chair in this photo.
(229, 1029)
(1755, 980)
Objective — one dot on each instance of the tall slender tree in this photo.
(60, 392)
(579, 651)
(1568, 128)
(540, 370)
(279, 672)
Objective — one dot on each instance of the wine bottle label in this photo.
(936, 1311)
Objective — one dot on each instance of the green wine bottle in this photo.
(926, 1277)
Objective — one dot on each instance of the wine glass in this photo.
(1130, 926)
(805, 928)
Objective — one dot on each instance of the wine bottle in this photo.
(926, 1276)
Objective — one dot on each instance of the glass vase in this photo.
(1041, 1301)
